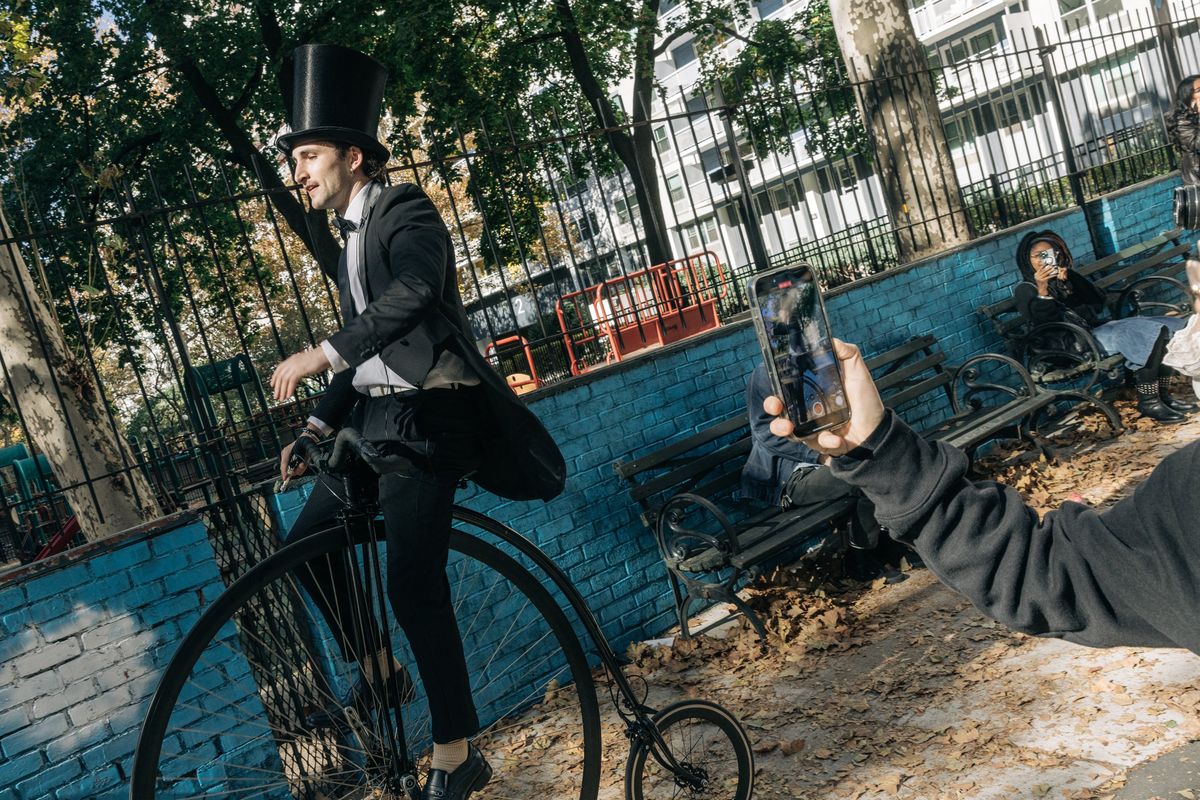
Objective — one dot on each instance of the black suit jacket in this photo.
(414, 318)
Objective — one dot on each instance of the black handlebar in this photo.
(348, 446)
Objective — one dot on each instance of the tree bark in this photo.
(636, 150)
(898, 100)
(63, 411)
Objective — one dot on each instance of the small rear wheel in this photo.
(708, 743)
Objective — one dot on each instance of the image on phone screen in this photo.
(800, 349)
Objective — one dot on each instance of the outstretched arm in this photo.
(1069, 575)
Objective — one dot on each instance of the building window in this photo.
(961, 49)
(1116, 83)
(585, 227)
(622, 208)
(662, 139)
(574, 190)
(840, 177)
(960, 132)
(700, 234)
(983, 42)
(675, 188)
(710, 159)
(767, 7)
(683, 54)
(1077, 14)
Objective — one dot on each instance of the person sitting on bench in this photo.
(787, 473)
(1054, 292)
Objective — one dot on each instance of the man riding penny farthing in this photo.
(408, 376)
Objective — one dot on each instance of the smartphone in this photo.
(793, 332)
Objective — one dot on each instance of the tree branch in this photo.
(268, 22)
(131, 147)
(655, 52)
(240, 104)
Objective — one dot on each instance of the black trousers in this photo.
(816, 485)
(437, 432)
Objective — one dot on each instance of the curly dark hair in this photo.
(1181, 108)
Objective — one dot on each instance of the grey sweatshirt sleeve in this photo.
(1053, 577)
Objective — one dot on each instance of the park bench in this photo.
(1141, 278)
(708, 540)
(989, 395)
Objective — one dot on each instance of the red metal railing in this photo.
(519, 384)
(654, 306)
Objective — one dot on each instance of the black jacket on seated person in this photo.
(772, 458)
(1126, 576)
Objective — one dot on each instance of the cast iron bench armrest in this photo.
(968, 374)
(1133, 290)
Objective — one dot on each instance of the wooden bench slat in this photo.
(627, 469)
(917, 389)
(692, 469)
(1142, 266)
(897, 377)
(1132, 251)
(789, 528)
(901, 351)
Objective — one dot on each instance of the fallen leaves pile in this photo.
(869, 690)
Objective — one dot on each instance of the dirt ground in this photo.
(869, 690)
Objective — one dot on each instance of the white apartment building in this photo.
(997, 109)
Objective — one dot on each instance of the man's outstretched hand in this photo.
(866, 407)
(290, 372)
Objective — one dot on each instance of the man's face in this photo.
(325, 176)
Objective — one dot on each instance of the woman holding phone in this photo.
(1054, 292)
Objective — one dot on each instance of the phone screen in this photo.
(794, 333)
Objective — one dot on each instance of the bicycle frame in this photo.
(636, 716)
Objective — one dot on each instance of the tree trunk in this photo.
(635, 151)
(63, 411)
(898, 100)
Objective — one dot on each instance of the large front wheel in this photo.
(709, 745)
(233, 716)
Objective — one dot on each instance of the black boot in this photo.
(1150, 401)
(1150, 404)
(1172, 402)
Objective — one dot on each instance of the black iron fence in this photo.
(175, 295)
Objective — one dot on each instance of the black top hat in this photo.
(336, 95)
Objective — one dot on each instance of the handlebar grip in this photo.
(304, 451)
(348, 445)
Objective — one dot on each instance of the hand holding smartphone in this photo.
(793, 332)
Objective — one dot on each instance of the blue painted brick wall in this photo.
(80, 654)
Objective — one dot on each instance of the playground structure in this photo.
(36, 521)
(648, 308)
(519, 381)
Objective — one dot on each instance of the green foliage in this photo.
(789, 77)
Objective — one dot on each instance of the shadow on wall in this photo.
(81, 654)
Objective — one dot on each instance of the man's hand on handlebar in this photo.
(290, 467)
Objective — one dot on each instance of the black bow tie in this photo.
(344, 226)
